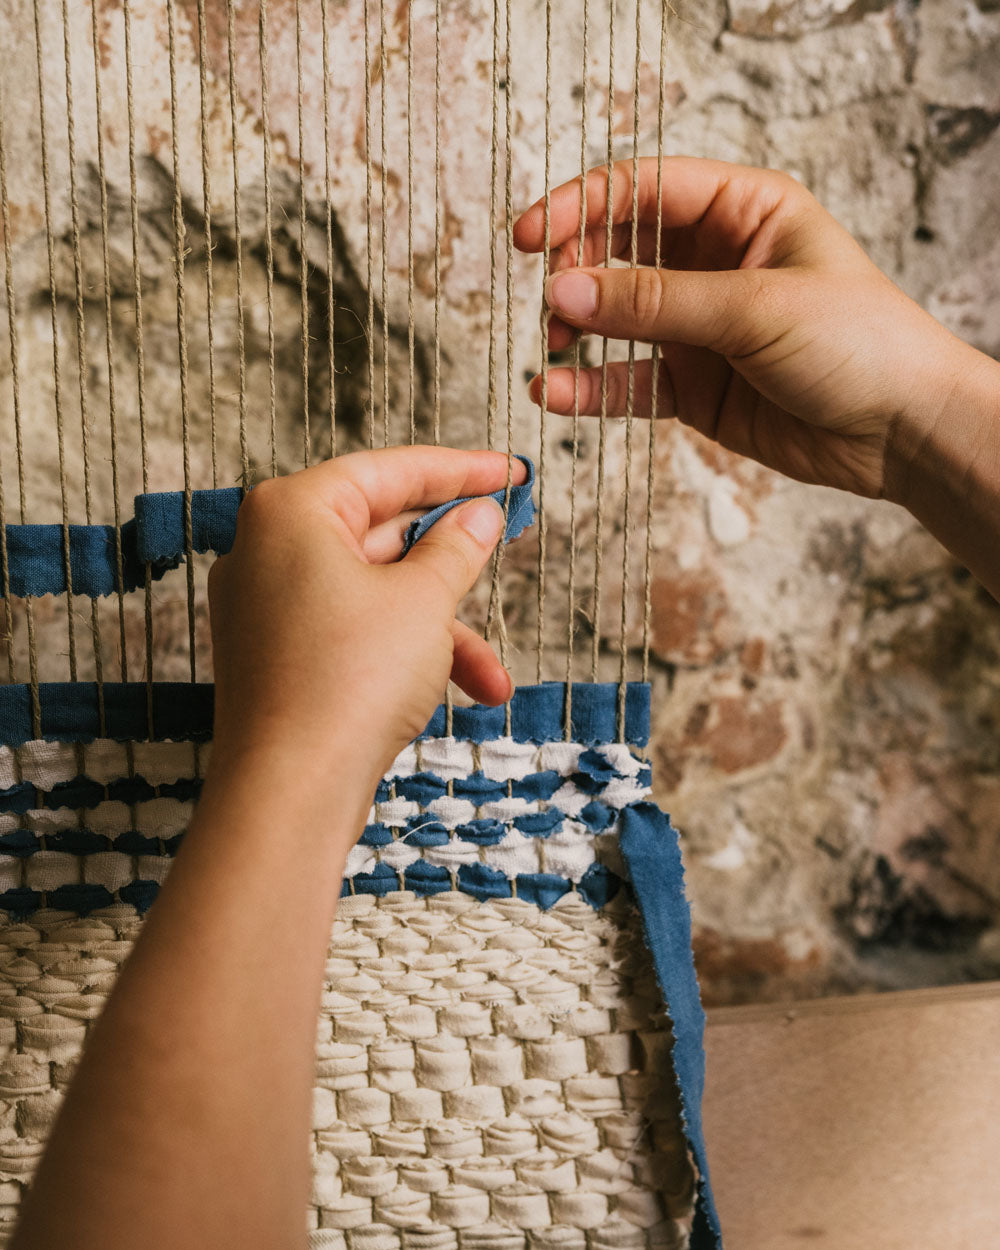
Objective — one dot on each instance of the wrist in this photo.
(313, 792)
(948, 440)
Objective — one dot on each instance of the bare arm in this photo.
(187, 1123)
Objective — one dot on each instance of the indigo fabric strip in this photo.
(36, 556)
(159, 524)
(652, 853)
(71, 712)
(36, 559)
(520, 511)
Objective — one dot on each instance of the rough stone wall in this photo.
(825, 678)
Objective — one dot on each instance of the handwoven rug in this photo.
(496, 1066)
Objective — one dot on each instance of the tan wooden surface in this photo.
(868, 1123)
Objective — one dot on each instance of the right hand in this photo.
(778, 336)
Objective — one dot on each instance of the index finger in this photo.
(737, 197)
(366, 488)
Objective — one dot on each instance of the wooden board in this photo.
(868, 1123)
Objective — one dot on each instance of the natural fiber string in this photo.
(508, 317)
(303, 253)
(491, 372)
(238, 241)
(331, 303)
(410, 325)
(54, 318)
(369, 233)
(384, 204)
(81, 346)
(15, 377)
(437, 224)
(16, 390)
(602, 433)
(654, 365)
(577, 351)
(544, 324)
(109, 346)
(449, 703)
(112, 389)
(15, 382)
(265, 126)
(140, 351)
(182, 350)
(206, 197)
(630, 390)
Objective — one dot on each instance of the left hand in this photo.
(326, 642)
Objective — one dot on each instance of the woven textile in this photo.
(155, 539)
(494, 1062)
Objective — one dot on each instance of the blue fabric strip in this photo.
(182, 712)
(652, 853)
(36, 554)
(159, 524)
(520, 510)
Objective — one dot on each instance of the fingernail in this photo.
(572, 294)
(483, 519)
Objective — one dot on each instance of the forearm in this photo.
(187, 1123)
(944, 467)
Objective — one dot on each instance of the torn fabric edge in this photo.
(36, 554)
(520, 509)
(182, 712)
(652, 854)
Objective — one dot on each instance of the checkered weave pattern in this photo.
(493, 1067)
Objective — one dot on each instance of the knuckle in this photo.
(754, 313)
(646, 297)
(262, 502)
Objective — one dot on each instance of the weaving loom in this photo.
(196, 299)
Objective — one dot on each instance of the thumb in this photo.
(732, 311)
(457, 546)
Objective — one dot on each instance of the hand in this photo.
(322, 636)
(779, 338)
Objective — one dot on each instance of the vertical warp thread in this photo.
(140, 350)
(182, 351)
(109, 344)
(577, 351)
(384, 203)
(15, 376)
(654, 366)
(206, 196)
(602, 434)
(331, 303)
(630, 390)
(437, 223)
(369, 234)
(410, 325)
(303, 254)
(16, 386)
(544, 326)
(508, 317)
(491, 386)
(81, 343)
(265, 126)
(238, 240)
(491, 370)
(449, 706)
(54, 318)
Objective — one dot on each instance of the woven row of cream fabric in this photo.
(492, 1071)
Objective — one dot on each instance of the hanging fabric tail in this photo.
(651, 850)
